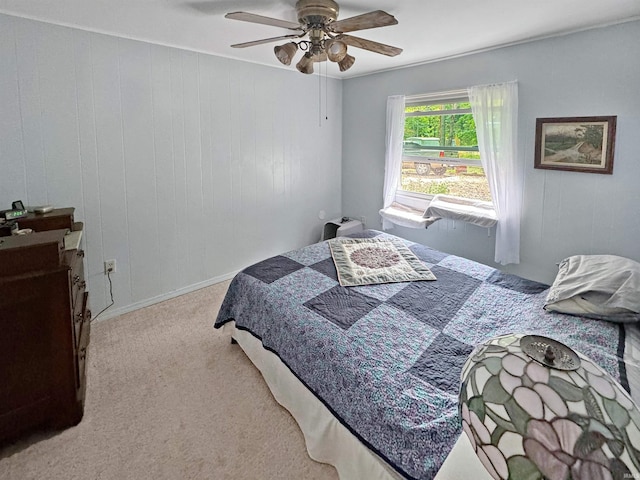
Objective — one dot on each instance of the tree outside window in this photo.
(440, 150)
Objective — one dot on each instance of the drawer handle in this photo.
(76, 278)
(81, 253)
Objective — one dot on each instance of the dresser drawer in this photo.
(81, 356)
(20, 254)
(58, 218)
(81, 317)
(82, 360)
(78, 283)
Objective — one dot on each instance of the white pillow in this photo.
(605, 287)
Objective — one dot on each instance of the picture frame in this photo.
(576, 144)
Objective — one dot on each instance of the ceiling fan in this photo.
(326, 39)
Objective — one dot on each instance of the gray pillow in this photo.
(605, 287)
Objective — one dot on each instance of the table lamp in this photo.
(532, 408)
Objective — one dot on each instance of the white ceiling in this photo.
(427, 30)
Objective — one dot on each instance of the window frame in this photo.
(421, 200)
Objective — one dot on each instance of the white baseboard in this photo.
(165, 296)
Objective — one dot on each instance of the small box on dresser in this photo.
(44, 327)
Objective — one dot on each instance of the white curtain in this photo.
(393, 156)
(495, 111)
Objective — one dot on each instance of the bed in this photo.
(371, 373)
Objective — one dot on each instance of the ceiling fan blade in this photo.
(253, 18)
(374, 19)
(370, 45)
(265, 40)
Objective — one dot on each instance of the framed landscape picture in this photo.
(578, 144)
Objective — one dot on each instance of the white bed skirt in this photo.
(327, 440)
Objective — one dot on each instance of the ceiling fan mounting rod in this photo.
(317, 11)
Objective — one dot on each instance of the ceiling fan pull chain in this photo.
(320, 97)
(326, 93)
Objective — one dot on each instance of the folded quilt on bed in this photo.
(367, 261)
(386, 359)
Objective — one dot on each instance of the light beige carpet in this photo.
(168, 397)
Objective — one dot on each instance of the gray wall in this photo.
(184, 167)
(596, 72)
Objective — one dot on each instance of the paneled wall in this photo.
(596, 72)
(184, 167)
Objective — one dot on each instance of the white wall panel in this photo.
(223, 216)
(242, 154)
(114, 219)
(178, 114)
(59, 114)
(26, 35)
(89, 164)
(14, 178)
(139, 164)
(183, 167)
(207, 226)
(167, 208)
(193, 173)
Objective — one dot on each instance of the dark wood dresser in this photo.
(44, 325)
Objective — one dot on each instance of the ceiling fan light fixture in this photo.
(305, 65)
(346, 63)
(286, 52)
(336, 50)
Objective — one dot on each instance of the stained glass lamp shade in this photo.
(529, 421)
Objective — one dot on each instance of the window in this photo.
(440, 150)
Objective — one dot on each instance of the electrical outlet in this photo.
(109, 266)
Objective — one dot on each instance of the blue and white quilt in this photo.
(386, 359)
